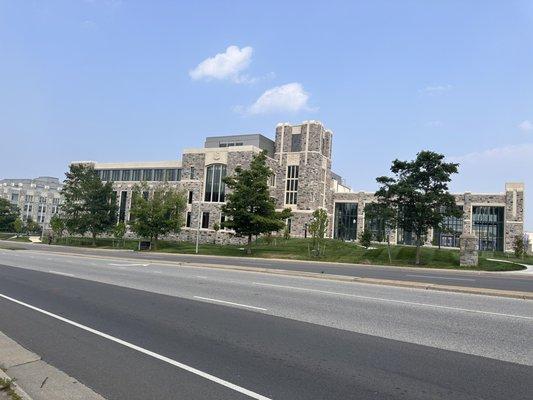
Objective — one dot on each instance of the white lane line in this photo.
(60, 273)
(393, 301)
(229, 302)
(440, 277)
(129, 265)
(170, 361)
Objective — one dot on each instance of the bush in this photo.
(519, 247)
(365, 239)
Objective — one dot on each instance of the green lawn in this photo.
(336, 251)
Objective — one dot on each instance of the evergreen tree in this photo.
(89, 204)
(419, 194)
(249, 208)
(157, 215)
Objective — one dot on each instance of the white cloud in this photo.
(509, 153)
(290, 97)
(436, 90)
(227, 65)
(526, 125)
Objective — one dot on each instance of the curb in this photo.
(315, 275)
(373, 281)
(44, 381)
(17, 389)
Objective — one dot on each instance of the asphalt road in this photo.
(277, 337)
(490, 280)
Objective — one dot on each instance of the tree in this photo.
(385, 212)
(249, 207)
(419, 194)
(157, 215)
(119, 231)
(58, 225)
(32, 226)
(89, 204)
(519, 247)
(318, 227)
(18, 225)
(9, 213)
(365, 239)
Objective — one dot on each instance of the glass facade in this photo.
(376, 226)
(452, 228)
(291, 190)
(345, 221)
(488, 226)
(122, 206)
(215, 189)
(136, 175)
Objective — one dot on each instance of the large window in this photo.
(346, 221)
(115, 175)
(126, 174)
(291, 188)
(173, 175)
(136, 175)
(158, 175)
(122, 206)
(148, 175)
(487, 225)
(215, 189)
(376, 226)
(452, 228)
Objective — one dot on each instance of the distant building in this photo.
(300, 158)
(38, 199)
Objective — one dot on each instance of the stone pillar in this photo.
(468, 253)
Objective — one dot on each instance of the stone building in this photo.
(300, 158)
(38, 199)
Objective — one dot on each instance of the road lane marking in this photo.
(60, 273)
(440, 277)
(129, 265)
(160, 357)
(393, 301)
(229, 302)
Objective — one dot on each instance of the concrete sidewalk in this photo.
(36, 379)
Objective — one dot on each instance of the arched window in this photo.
(215, 189)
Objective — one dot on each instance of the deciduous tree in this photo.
(159, 214)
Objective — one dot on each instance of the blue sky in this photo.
(112, 80)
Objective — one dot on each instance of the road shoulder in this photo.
(37, 380)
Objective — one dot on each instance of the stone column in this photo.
(468, 253)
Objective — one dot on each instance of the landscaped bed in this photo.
(335, 251)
